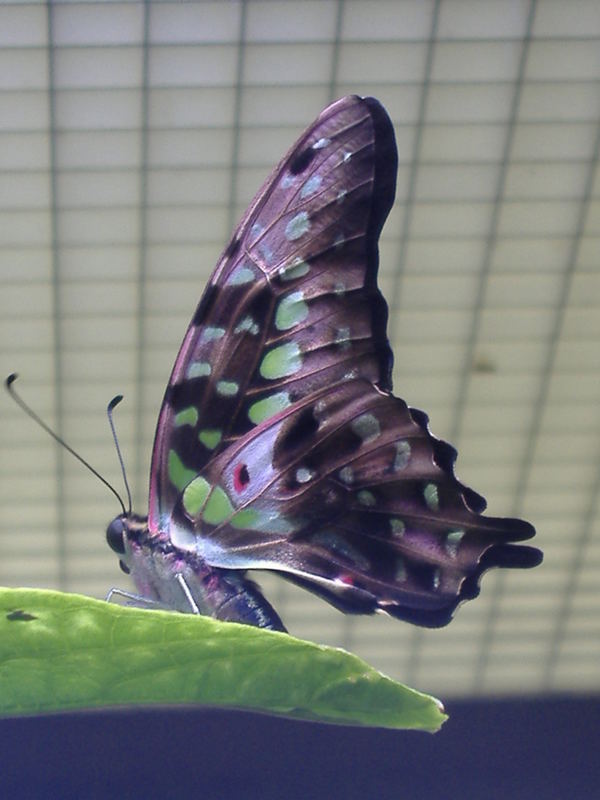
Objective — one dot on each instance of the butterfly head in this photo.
(121, 532)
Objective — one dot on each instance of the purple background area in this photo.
(545, 749)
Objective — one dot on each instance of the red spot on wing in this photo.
(241, 478)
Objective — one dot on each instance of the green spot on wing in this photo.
(179, 474)
(312, 185)
(281, 361)
(218, 507)
(296, 269)
(367, 427)
(189, 416)
(366, 498)
(291, 311)
(346, 474)
(304, 475)
(267, 521)
(402, 455)
(247, 325)
(297, 226)
(212, 333)
(268, 407)
(210, 437)
(453, 539)
(227, 388)
(198, 369)
(246, 518)
(195, 495)
(240, 276)
(430, 493)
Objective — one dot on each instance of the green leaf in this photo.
(65, 651)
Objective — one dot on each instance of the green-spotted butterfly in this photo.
(279, 443)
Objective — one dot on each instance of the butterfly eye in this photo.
(124, 567)
(115, 536)
(241, 477)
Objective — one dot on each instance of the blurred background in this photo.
(132, 136)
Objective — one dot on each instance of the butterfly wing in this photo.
(279, 444)
(292, 305)
(350, 495)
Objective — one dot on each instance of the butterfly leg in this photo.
(187, 592)
(139, 600)
(136, 599)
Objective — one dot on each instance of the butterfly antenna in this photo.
(109, 411)
(32, 415)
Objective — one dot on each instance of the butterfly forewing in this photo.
(279, 444)
(292, 305)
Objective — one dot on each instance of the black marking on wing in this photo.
(301, 161)
(206, 305)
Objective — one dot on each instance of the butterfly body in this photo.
(279, 444)
(178, 580)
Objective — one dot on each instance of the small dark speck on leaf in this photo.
(20, 616)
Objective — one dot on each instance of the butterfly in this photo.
(279, 444)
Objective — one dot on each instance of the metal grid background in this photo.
(131, 137)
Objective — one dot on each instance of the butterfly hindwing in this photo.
(350, 495)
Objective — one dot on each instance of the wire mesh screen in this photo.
(132, 135)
